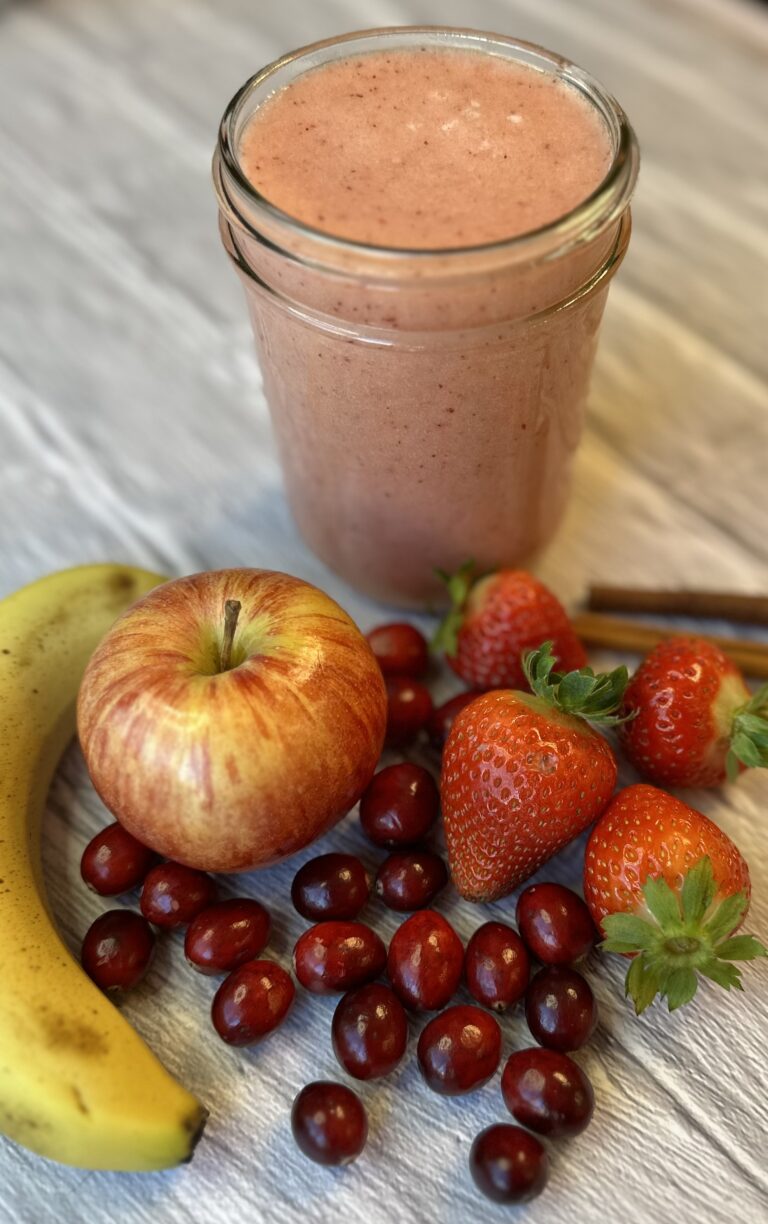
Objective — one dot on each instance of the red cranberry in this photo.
(174, 894)
(251, 1002)
(497, 966)
(226, 935)
(399, 806)
(114, 862)
(400, 649)
(442, 718)
(425, 961)
(459, 1050)
(508, 1164)
(370, 1031)
(547, 1092)
(555, 923)
(329, 1123)
(410, 879)
(560, 1009)
(330, 886)
(336, 956)
(409, 706)
(117, 949)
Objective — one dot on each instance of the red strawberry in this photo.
(666, 885)
(693, 717)
(523, 774)
(497, 619)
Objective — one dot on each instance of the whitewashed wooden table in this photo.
(132, 426)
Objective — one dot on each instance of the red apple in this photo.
(227, 737)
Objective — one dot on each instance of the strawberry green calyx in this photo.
(596, 698)
(686, 934)
(446, 636)
(749, 735)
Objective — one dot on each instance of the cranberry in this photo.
(174, 894)
(370, 1031)
(459, 1050)
(330, 886)
(251, 1002)
(497, 966)
(508, 1164)
(410, 879)
(442, 718)
(409, 706)
(425, 961)
(336, 956)
(547, 1092)
(117, 949)
(399, 806)
(329, 1123)
(560, 1009)
(400, 649)
(555, 923)
(226, 935)
(114, 862)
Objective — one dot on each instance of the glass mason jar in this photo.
(426, 404)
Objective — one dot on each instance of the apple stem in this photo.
(231, 612)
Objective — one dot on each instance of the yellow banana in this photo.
(77, 1083)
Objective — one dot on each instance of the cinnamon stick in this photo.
(615, 633)
(719, 605)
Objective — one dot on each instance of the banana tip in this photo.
(195, 1125)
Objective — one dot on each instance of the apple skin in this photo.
(227, 771)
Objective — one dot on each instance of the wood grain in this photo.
(132, 425)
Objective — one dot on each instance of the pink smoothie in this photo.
(426, 406)
(426, 149)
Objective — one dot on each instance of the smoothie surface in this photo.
(425, 149)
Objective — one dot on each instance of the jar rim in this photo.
(414, 339)
(245, 205)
